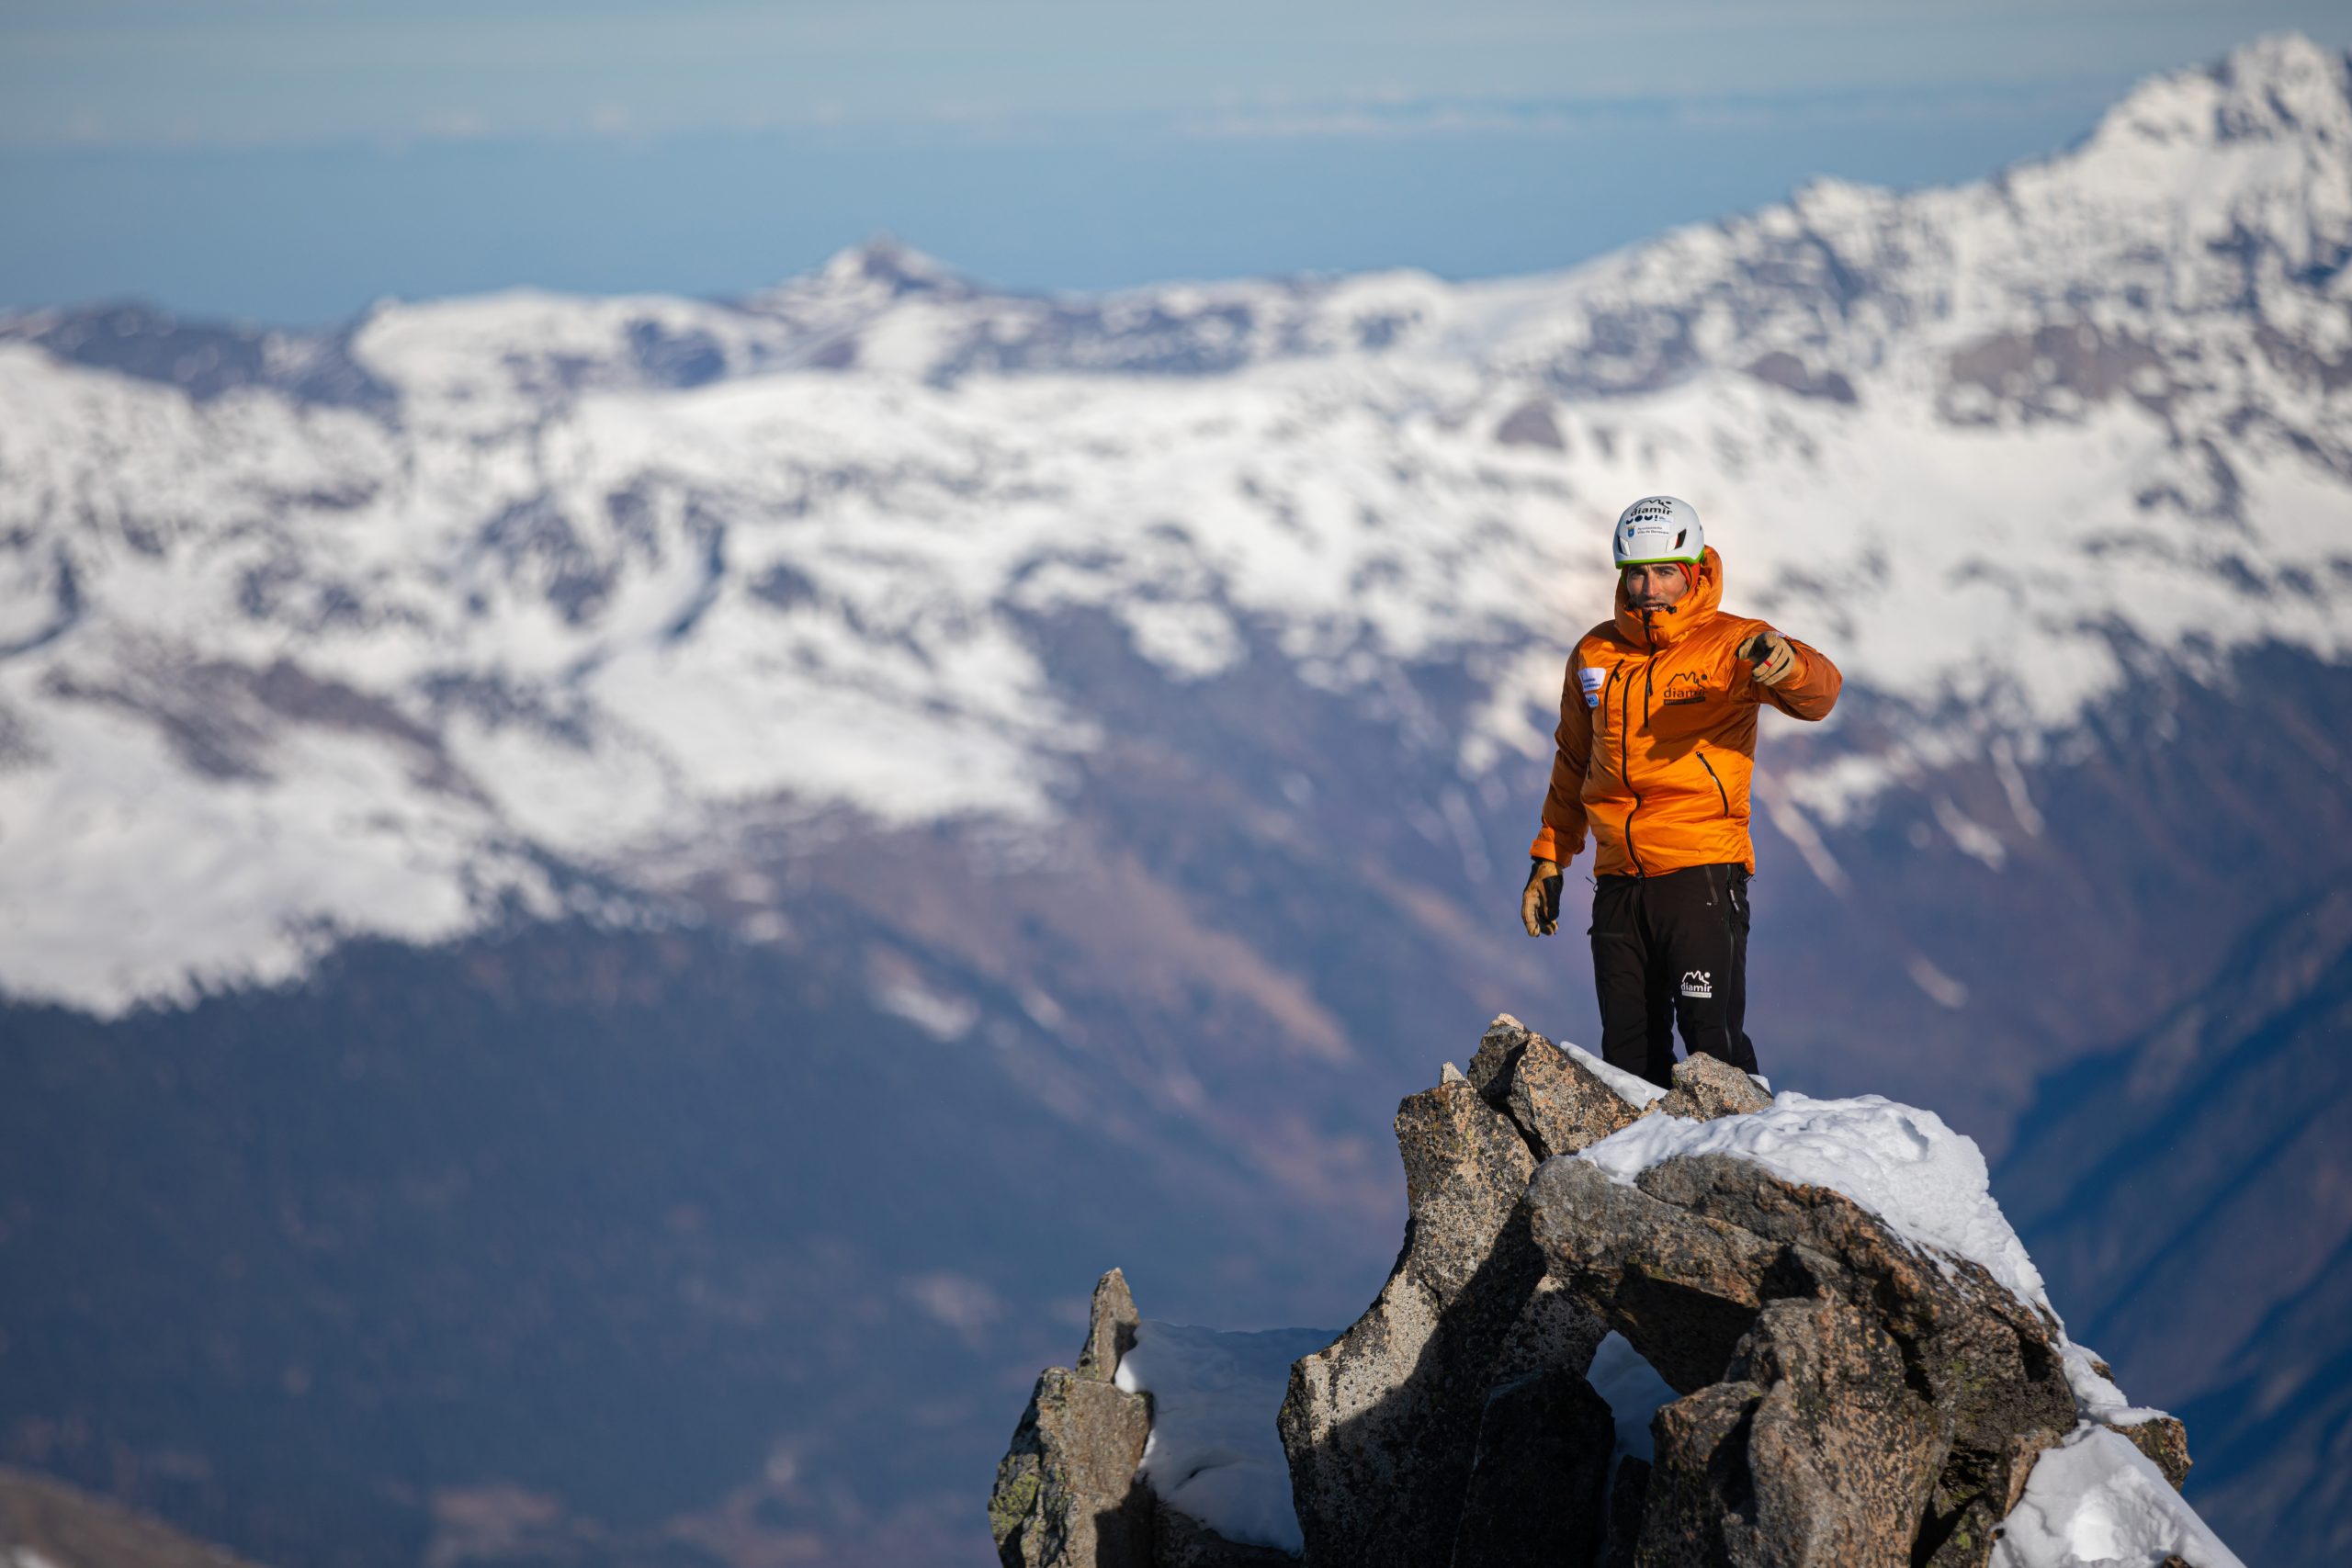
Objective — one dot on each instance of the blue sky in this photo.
(292, 161)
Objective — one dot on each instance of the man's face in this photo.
(1654, 587)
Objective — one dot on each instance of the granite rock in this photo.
(1537, 1489)
(1066, 1495)
(1381, 1427)
(1700, 1266)
(1708, 1086)
(1812, 1452)
(1558, 1104)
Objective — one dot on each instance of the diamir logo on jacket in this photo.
(1698, 983)
(1685, 686)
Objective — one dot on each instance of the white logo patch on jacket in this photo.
(1592, 680)
(1698, 983)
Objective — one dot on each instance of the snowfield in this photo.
(1214, 1452)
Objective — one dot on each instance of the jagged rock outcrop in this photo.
(1067, 1493)
(1849, 1397)
(2165, 1442)
(1558, 1103)
(1381, 1427)
(1111, 1324)
(1394, 1433)
(1812, 1449)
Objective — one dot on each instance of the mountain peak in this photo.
(886, 260)
(2282, 86)
(2285, 85)
(2283, 58)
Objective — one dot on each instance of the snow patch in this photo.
(1631, 1087)
(2096, 1502)
(2096, 1398)
(1215, 1452)
(1927, 1183)
(1937, 986)
(944, 1018)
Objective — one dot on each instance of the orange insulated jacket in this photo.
(1657, 734)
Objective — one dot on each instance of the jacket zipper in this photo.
(1719, 793)
(1625, 722)
(1624, 711)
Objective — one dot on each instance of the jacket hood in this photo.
(1664, 628)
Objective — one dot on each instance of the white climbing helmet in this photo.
(1657, 529)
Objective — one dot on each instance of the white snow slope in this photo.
(1215, 1452)
(274, 669)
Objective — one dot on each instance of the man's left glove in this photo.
(1769, 657)
(1539, 904)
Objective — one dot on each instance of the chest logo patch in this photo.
(1685, 686)
(1592, 680)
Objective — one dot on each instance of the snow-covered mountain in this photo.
(371, 633)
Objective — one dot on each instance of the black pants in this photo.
(1669, 948)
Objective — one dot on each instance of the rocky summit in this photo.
(1844, 1374)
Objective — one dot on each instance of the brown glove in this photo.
(1771, 659)
(1539, 904)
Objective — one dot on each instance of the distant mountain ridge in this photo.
(681, 565)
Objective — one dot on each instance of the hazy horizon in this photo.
(277, 165)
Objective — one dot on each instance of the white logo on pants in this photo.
(1698, 983)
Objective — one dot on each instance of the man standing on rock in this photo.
(1657, 742)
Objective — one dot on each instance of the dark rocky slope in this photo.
(2203, 1165)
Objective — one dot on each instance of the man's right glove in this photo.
(1769, 657)
(1539, 904)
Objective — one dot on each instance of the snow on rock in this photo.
(1700, 1296)
(1214, 1453)
(1929, 1183)
(2095, 1393)
(1631, 1087)
(2097, 1501)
